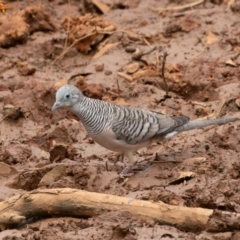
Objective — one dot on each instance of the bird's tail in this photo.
(204, 123)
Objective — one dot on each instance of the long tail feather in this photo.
(204, 123)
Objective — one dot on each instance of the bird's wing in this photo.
(137, 125)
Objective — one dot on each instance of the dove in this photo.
(125, 129)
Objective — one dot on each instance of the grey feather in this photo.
(195, 124)
(135, 125)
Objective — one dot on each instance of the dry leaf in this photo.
(188, 24)
(230, 62)
(211, 38)
(182, 177)
(133, 36)
(237, 101)
(121, 101)
(54, 143)
(5, 169)
(11, 111)
(44, 154)
(101, 6)
(105, 49)
(230, 3)
(4, 7)
(53, 175)
(133, 67)
(59, 84)
(145, 73)
(85, 45)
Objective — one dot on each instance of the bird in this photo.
(125, 129)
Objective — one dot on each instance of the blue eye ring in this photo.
(67, 96)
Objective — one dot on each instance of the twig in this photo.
(106, 165)
(146, 41)
(113, 94)
(189, 5)
(125, 76)
(153, 160)
(68, 30)
(66, 50)
(84, 64)
(3, 118)
(138, 54)
(118, 86)
(89, 35)
(167, 161)
(198, 103)
(163, 73)
(77, 75)
(217, 112)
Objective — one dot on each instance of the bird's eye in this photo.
(67, 96)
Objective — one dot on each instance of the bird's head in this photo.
(67, 96)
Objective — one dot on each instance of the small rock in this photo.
(107, 72)
(99, 67)
(58, 153)
(4, 95)
(53, 175)
(236, 236)
(174, 202)
(26, 71)
(5, 169)
(237, 101)
(130, 49)
(12, 112)
(230, 62)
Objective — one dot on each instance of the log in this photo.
(79, 203)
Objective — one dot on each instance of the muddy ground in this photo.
(202, 72)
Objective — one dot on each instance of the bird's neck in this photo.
(82, 107)
(91, 113)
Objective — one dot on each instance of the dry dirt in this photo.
(41, 149)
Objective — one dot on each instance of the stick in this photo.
(125, 76)
(3, 118)
(79, 203)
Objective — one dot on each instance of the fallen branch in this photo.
(79, 203)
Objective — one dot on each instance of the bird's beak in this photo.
(56, 105)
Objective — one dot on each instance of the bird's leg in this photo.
(131, 167)
(119, 157)
(131, 162)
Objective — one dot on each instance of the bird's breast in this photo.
(108, 140)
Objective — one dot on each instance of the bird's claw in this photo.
(126, 171)
(130, 170)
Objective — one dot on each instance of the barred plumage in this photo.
(124, 129)
(93, 114)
